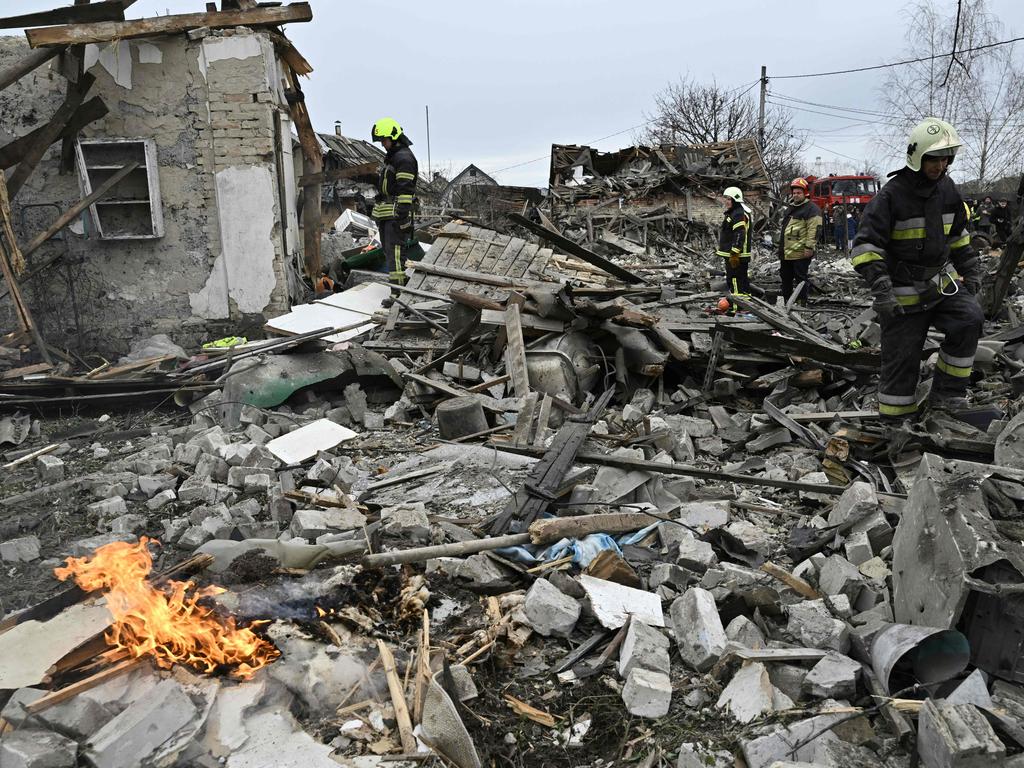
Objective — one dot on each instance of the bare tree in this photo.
(980, 92)
(688, 112)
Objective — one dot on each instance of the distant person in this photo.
(915, 254)
(1001, 221)
(396, 195)
(734, 242)
(985, 216)
(799, 237)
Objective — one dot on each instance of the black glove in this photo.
(972, 284)
(885, 305)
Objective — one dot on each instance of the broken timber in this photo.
(109, 10)
(23, 66)
(107, 31)
(326, 177)
(547, 475)
(69, 215)
(687, 471)
(577, 250)
(93, 109)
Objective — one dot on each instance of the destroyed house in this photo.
(685, 180)
(178, 132)
(477, 194)
(350, 174)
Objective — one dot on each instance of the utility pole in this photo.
(429, 175)
(760, 114)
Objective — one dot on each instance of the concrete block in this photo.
(548, 611)
(161, 500)
(812, 625)
(321, 473)
(647, 693)
(21, 550)
(127, 524)
(696, 555)
(37, 749)
(213, 467)
(698, 628)
(107, 508)
(407, 521)
(752, 537)
(139, 731)
(14, 711)
(257, 435)
(789, 679)
(311, 523)
(50, 469)
(858, 548)
(151, 485)
(187, 454)
(644, 647)
(173, 528)
(956, 736)
(355, 400)
(745, 632)
(834, 677)
(257, 484)
(778, 744)
(194, 537)
(672, 575)
(750, 694)
(238, 475)
(704, 515)
(859, 498)
(840, 577)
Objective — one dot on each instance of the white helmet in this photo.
(734, 193)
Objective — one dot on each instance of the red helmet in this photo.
(799, 183)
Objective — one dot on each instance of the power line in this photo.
(898, 63)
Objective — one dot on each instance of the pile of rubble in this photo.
(515, 513)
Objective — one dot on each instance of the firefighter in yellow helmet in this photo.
(734, 242)
(396, 195)
(913, 250)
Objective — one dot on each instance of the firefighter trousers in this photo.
(393, 237)
(961, 319)
(794, 272)
(738, 277)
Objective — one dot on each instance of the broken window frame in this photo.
(153, 201)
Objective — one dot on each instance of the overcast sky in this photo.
(505, 79)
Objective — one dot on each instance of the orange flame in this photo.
(169, 623)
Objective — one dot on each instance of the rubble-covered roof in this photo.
(589, 171)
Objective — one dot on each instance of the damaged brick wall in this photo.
(209, 103)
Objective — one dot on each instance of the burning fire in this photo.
(168, 623)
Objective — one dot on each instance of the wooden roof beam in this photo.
(107, 31)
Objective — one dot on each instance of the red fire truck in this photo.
(829, 191)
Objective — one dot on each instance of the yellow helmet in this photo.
(734, 193)
(386, 128)
(934, 137)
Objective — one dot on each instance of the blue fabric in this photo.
(583, 550)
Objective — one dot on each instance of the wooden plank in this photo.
(25, 370)
(49, 134)
(548, 474)
(524, 420)
(12, 262)
(515, 352)
(326, 177)
(56, 697)
(574, 249)
(395, 687)
(107, 10)
(26, 64)
(313, 163)
(528, 322)
(470, 276)
(107, 31)
(72, 213)
(542, 422)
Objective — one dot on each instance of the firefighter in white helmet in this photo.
(734, 242)
(914, 252)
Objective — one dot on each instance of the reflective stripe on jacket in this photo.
(799, 230)
(915, 232)
(734, 236)
(396, 184)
